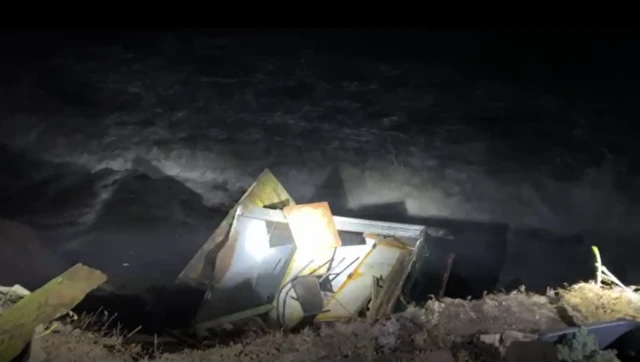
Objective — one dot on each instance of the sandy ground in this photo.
(450, 324)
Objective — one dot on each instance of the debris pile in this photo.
(307, 284)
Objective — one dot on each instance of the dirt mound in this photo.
(496, 313)
(589, 303)
(73, 345)
(462, 329)
(413, 335)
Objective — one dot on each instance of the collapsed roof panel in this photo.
(254, 271)
(287, 263)
(265, 191)
(312, 226)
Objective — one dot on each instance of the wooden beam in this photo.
(58, 296)
(392, 287)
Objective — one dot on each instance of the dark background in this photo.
(561, 103)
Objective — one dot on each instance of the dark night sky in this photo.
(568, 56)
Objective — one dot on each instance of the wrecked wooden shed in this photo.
(290, 264)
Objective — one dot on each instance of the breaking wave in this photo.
(214, 116)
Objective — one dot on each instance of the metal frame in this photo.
(415, 232)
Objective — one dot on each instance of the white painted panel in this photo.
(355, 293)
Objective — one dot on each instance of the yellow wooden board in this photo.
(60, 295)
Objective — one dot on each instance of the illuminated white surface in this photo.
(256, 240)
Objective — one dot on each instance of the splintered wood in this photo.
(58, 296)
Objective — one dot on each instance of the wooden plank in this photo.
(386, 300)
(354, 294)
(58, 296)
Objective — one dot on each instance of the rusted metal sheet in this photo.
(212, 261)
(312, 226)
